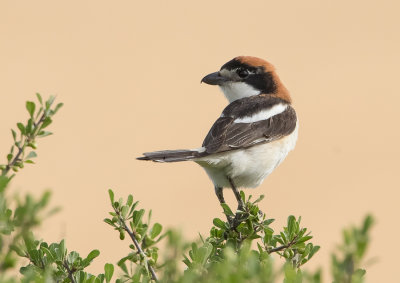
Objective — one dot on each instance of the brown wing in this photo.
(226, 135)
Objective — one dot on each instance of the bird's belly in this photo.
(248, 167)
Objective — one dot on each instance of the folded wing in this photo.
(227, 135)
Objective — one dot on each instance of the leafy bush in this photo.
(239, 249)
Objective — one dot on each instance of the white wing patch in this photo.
(263, 115)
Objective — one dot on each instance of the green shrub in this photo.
(239, 249)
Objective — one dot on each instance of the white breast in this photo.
(248, 167)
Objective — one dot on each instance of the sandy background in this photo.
(129, 72)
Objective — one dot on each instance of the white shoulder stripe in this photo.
(199, 150)
(263, 114)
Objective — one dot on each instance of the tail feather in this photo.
(170, 155)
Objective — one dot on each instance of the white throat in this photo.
(237, 90)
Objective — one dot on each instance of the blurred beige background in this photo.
(129, 72)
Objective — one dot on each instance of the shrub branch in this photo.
(70, 272)
(281, 248)
(133, 236)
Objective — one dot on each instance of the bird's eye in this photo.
(243, 73)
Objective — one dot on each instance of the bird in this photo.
(253, 135)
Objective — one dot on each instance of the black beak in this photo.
(214, 79)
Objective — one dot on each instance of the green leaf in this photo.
(219, 223)
(133, 207)
(155, 231)
(50, 101)
(268, 221)
(14, 134)
(29, 127)
(129, 200)
(109, 222)
(313, 251)
(30, 106)
(108, 271)
(47, 121)
(18, 250)
(227, 210)
(31, 154)
(72, 257)
(149, 217)
(147, 242)
(48, 254)
(43, 134)
(259, 199)
(203, 253)
(124, 211)
(242, 196)
(242, 228)
(186, 261)
(260, 249)
(100, 278)
(291, 225)
(3, 183)
(122, 265)
(62, 251)
(303, 239)
(359, 273)
(201, 238)
(38, 113)
(111, 194)
(39, 97)
(92, 255)
(137, 216)
(368, 221)
(59, 105)
(44, 200)
(21, 127)
(254, 210)
(283, 238)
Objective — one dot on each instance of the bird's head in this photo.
(246, 76)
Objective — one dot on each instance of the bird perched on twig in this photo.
(254, 133)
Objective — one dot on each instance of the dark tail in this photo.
(170, 155)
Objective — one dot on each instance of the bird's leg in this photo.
(237, 195)
(220, 194)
